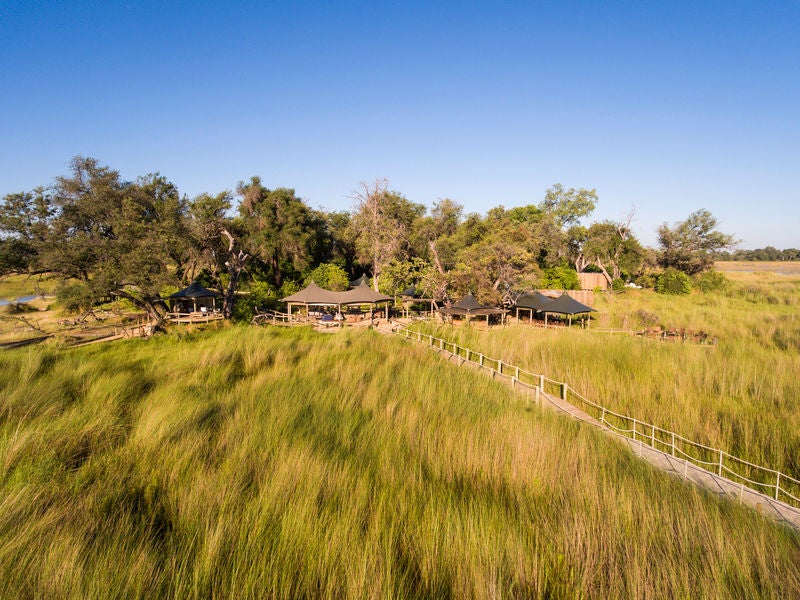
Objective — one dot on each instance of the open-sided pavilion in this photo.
(469, 307)
(313, 295)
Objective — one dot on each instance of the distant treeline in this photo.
(768, 253)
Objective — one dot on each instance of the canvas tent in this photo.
(194, 298)
(534, 302)
(313, 295)
(469, 307)
(566, 305)
(363, 280)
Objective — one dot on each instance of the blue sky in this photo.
(664, 108)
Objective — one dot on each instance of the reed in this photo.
(280, 463)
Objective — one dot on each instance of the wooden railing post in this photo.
(500, 367)
(564, 391)
(673, 443)
(777, 485)
(720, 463)
(634, 429)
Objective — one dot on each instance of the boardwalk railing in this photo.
(768, 482)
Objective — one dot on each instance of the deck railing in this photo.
(764, 480)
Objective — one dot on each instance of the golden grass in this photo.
(279, 463)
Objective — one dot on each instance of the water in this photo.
(20, 300)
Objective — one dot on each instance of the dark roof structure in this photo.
(469, 306)
(567, 305)
(195, 290)
(467, 303)
(410, 292)
(534, 301)
(363, 280)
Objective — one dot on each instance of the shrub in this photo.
(261, 297)
(618, 285)
(560, 278)
(75, 297)
(673, 282)
(710, 281)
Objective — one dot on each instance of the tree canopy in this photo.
(121, 239)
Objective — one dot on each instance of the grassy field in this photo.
(742, 395)
(280, 463)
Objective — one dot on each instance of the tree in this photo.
(24, 220)
(329, 276)
(282, 231)
(610, 246)
(218, 244)
(568, 207)
(690, 244)
(115, 237)
(381, 225)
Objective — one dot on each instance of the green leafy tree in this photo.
(568, 207)
(24, 221)
(329, 276)
(612, 248)
(560, 278)
(282, 231)
(690, 245)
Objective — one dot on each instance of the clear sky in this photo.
(665, 107)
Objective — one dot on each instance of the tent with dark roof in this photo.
(410, 292)
(360, 281)
(534, 302)
(193, 297)
(469, 306)
(566, 305)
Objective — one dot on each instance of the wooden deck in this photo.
(195, 317)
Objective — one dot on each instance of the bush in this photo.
(618, 285)
(75, 297)
(673, 282)
(711, 281)
(560, 278)
(261, 297)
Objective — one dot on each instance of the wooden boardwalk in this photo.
(682, 468)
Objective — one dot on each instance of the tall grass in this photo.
(280, 463)
(743, 395)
